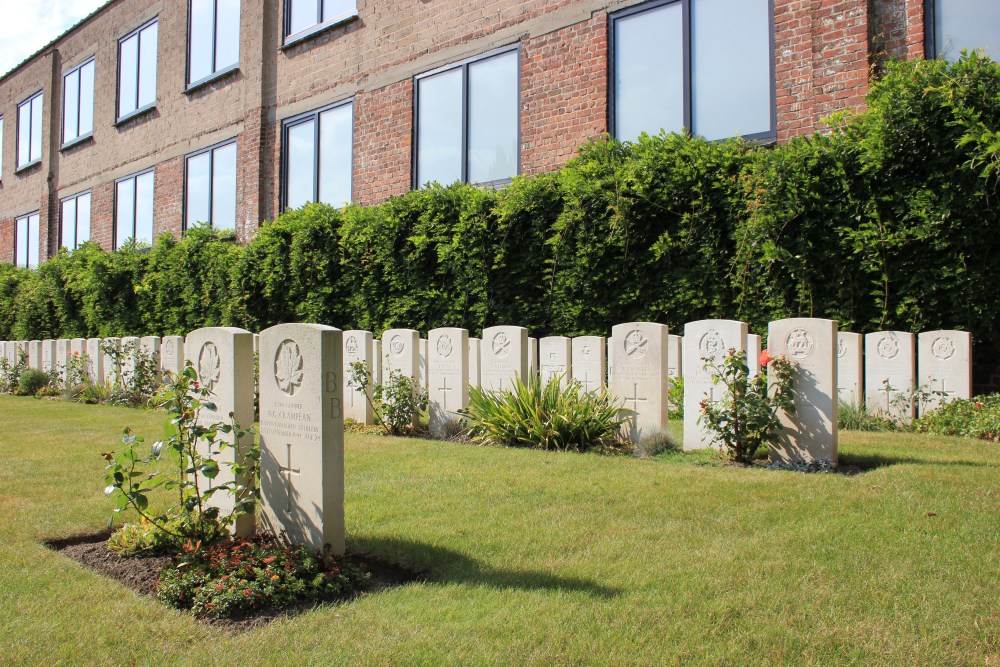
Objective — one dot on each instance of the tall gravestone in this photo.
(504, 356)
(850, 368)
(705, 340)
(358, 348)
(302, 434)
(590, 362)
(810, 435)
(532, 356)
(639, 377)
(130, 348)
(475, 347)
(48, 355)
(62, 357)
(95, 361)
(890, 373)
(945, 365)
(753, 354)
(554, 359)
(223, 358)
(172, 355)
(112, 367)
(401, 352)
(150, 345)
(447, 375)
(675, 352)
(78, 346)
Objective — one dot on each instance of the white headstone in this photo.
(401, 352)
(223, 359)
(753, 354)
(448, 375)
(611, 358)
(95, 361)
(112, 369)
(256, 343)
(555, 354)
(705, 340)
(532, 356)
(850, 368)
(358, 348)
(890, 373)
(377, 360)
(172, 355)
(130, 348)
(945, 365)
(78, 346)
(475, 346)
(639, 377)
(150, 345)
(62, 357)
(422, 370)
(48, 355)
(302, 434)
(590, 362)
(675, 352)
(810, 435)
(503, 357)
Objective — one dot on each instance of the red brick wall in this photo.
(898, 29)
(383, 135)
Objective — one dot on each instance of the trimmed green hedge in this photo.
(889, 221)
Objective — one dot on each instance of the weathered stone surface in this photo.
(35, 354)
(401, 352)
(890, 373)
(475, 347)
(359, 347)
(945, 358)
(112, 369)
(48, 355)
(172, 355)
(302, 434)
(639, 377)
(532, 356)
(504, 356)
(95, 360)
(555, 355)
(589, 357)
(705, 340)
(448, 376)
(850, 368)
(753, 354)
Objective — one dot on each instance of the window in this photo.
(319, 150)
(302, 15)
(703, 65)
(26, 240)
(970, 24)
(210, 187)
(467, 121)
(137, 71)
(213, 38)
(29, 131)
(75, 220)
(134, 209)
(78, 103)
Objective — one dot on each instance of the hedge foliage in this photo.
(890, 220)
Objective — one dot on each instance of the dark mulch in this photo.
(141, 575)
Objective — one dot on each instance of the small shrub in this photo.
(544, 417)
(857, 417)
(675, 397)
(10, 373)
(746, 418)
(137, 381)
(144, 538)
(32, 381)
(397, 404)
(241, 575)
(977, 417)
(655, 443)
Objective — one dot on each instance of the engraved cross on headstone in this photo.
(444, 389)
(635, 400)
(288, 471)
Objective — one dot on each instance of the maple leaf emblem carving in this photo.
(288, 367)
(209, 364)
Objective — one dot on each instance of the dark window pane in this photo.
(86, 99)
(198, 174)
(147, 65)
(335, 152)
(202, 33)
(227, 34)
(967, 24)
(303, 14)
(144, 208)
(82, 219)
(439, 128)
(224, 187)
(71, 102)
(69, 223)
(124, 211)
(731, 68)
(493, 107)
(301, 177)
(649, 72)
(128, 73)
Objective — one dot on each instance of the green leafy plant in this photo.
(145, 538)
(192, 450)
(550, 416)
(32, 381)
(10, 373)
(977, 417)
(397, 403)
(857, 417)
(747, 418)
(241, 575)
(135, 373)
(675, 396)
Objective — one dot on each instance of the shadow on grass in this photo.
(868, 461)
(439, 565)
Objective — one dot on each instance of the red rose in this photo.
(765, 358)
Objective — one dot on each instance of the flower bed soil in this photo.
(141, 575)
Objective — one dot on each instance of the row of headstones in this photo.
(55, 355)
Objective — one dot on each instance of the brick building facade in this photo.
(282, 79)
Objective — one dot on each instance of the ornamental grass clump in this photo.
(747, 416)
(555, 416)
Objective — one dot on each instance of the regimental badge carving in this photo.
(887, 347)
(636, 344)
(444, 345)
(841, 348)
(711, 343)
(288, 371)
(501, 345)
(352, 347)
(396, 345)
(168, 348)
(209, 366)
(585, 350)
(943, 348)
(799, 343)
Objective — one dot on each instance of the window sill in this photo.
(319, 28)
(72, 143)
(27, 166)
(211, 78)
(134, 114)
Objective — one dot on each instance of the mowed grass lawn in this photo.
(547, 559)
